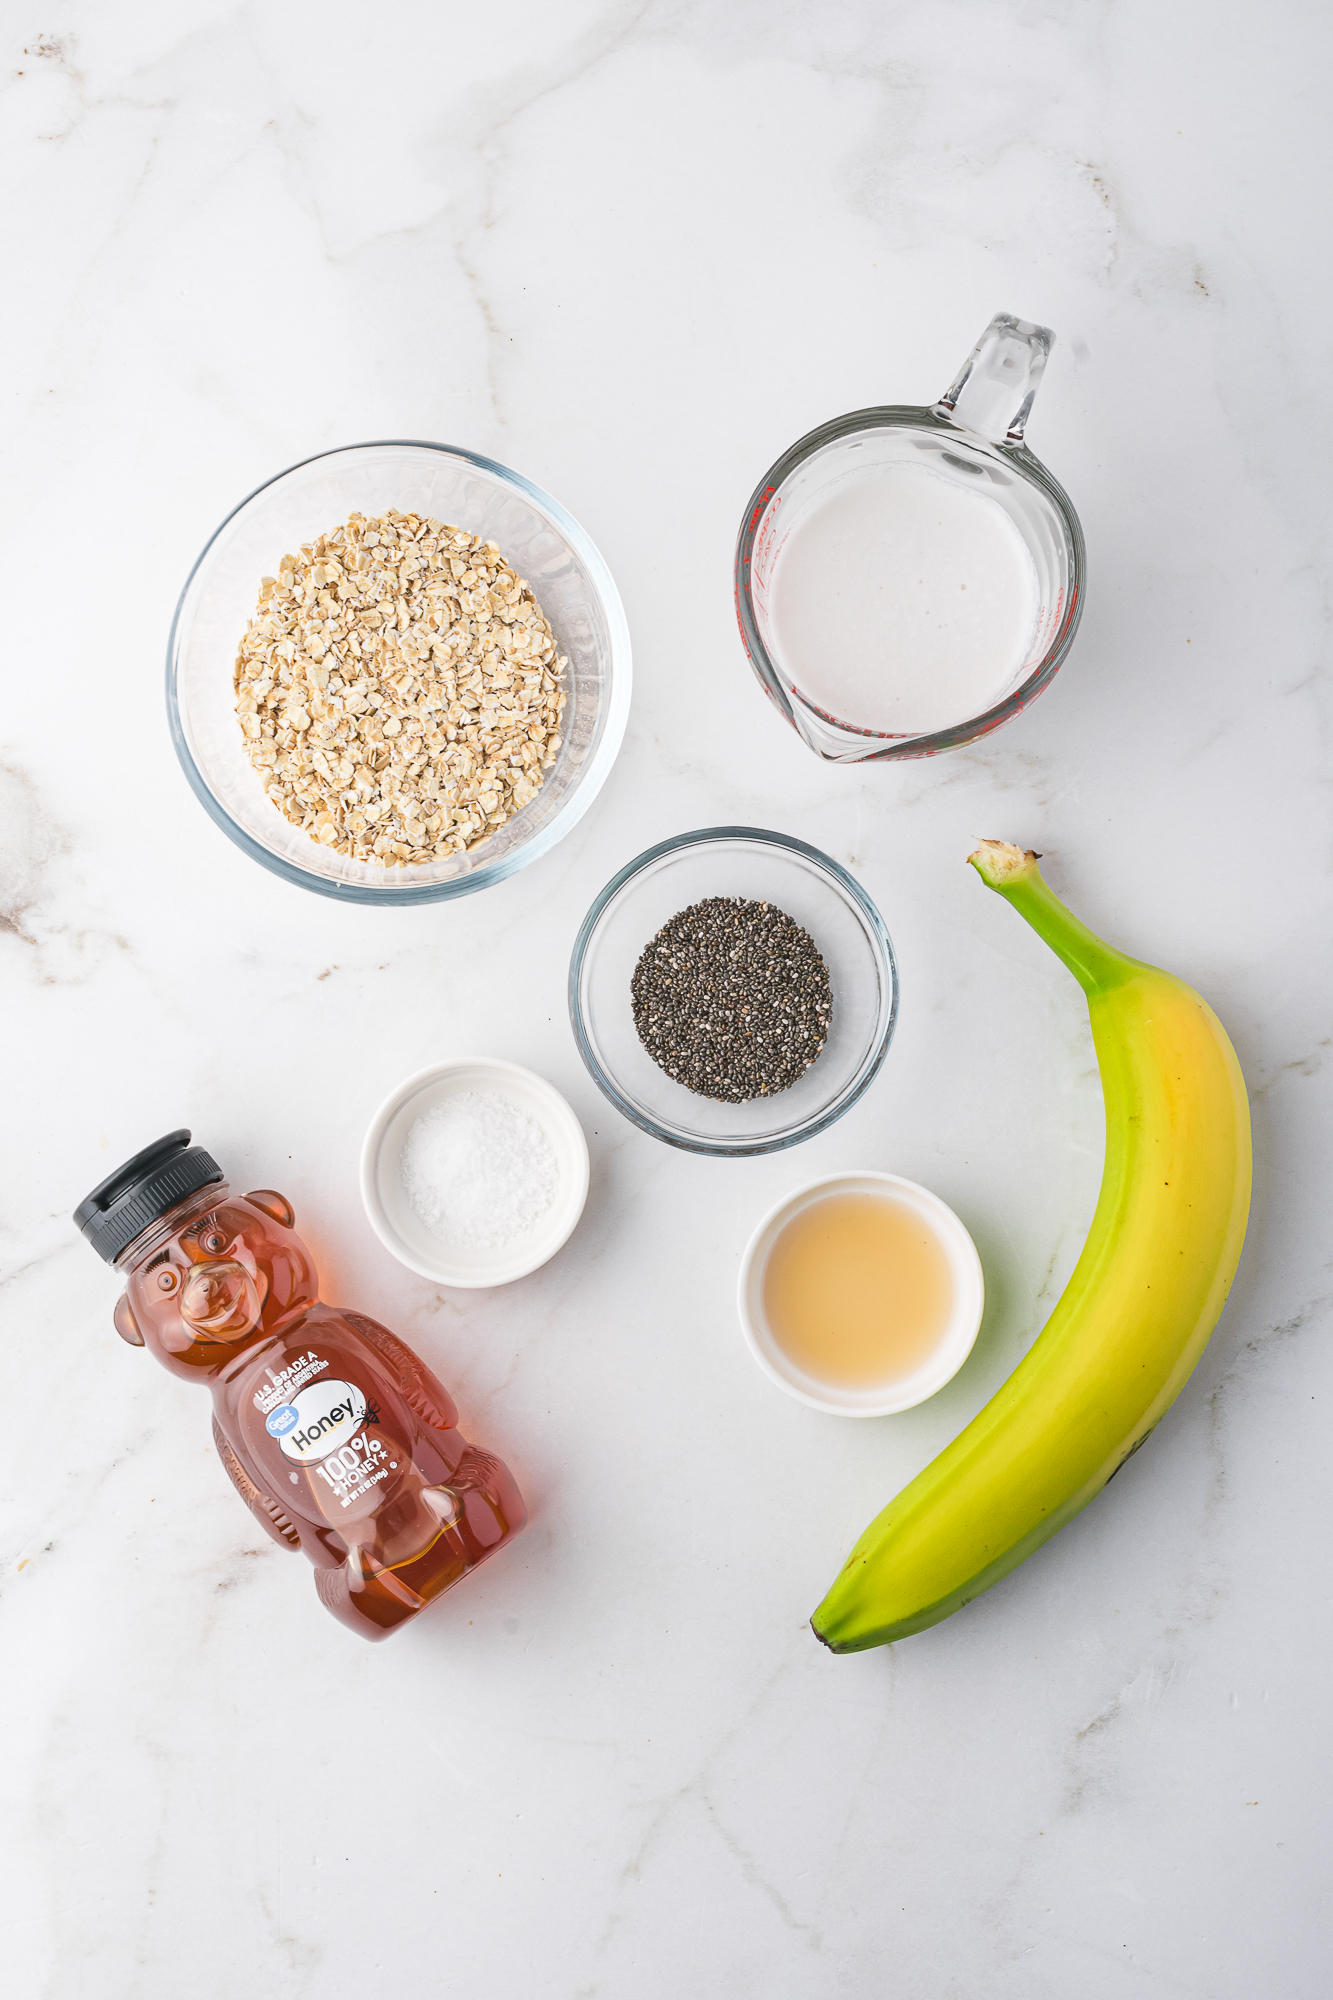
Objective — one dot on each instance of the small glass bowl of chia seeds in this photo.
(684, 942)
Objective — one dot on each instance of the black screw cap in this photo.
(123, 1205)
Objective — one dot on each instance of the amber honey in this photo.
(857, 1290)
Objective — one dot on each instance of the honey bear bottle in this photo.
(339, 1440)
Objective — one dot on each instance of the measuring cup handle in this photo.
(996, 384)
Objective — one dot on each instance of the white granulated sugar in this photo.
(478, 1170)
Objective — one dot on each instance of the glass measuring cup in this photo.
(972, 437)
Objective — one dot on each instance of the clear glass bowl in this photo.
(733, 861)
(545, 545)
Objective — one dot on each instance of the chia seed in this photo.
(732, 999)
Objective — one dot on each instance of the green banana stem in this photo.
(1014, 874)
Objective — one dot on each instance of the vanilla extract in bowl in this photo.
(861, 1294)
(732, 999)
(857, 1290)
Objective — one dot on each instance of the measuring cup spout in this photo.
(995, 386)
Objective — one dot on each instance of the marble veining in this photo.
(635, 250)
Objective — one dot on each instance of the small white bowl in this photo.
(955, 1343)
(396, 1223)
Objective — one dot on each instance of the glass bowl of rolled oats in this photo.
(398, 672)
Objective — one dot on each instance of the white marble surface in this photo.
(634, 250)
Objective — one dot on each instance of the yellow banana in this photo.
(1134, 1318)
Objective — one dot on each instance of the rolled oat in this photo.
(399, 689)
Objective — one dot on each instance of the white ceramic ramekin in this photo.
(954, 1345)
(397, 1224)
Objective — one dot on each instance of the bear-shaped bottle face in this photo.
(232, 1270)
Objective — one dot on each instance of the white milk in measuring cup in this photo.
(904, 602)
(907, 579)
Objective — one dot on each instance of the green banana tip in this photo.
(1000, 864)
